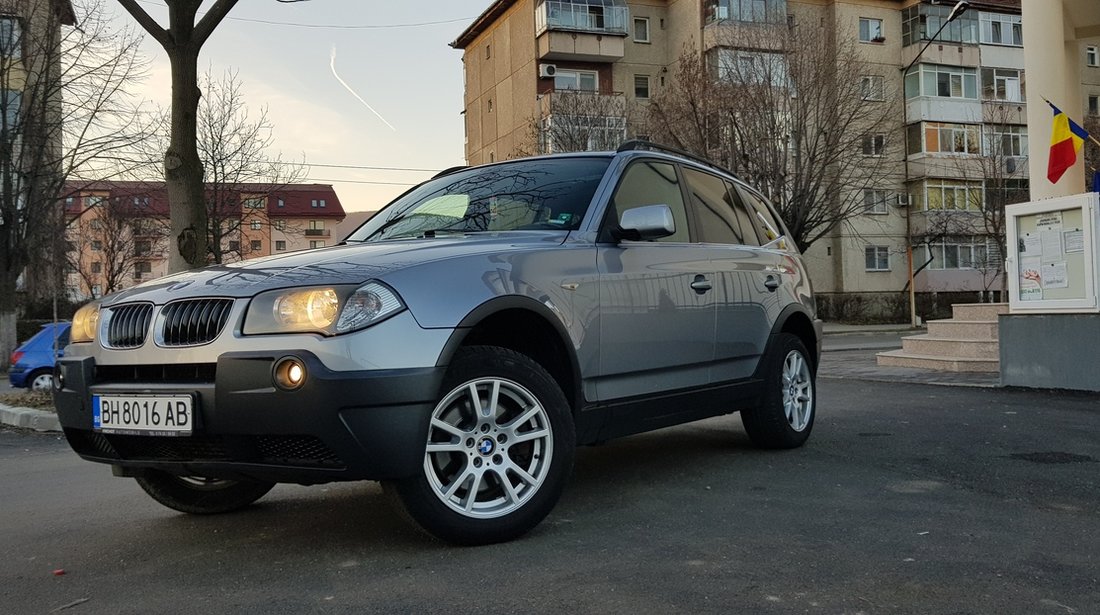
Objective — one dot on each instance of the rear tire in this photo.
(785, 415)
(201, 496)
(499, 449)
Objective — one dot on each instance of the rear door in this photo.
(657, 302)
(744, 298)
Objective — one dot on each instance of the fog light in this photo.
(290, 373)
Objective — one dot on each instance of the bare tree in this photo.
(793, 110)
(112, 243)
(579, 121)
(183, 172)
(65, 115)
(239, 170)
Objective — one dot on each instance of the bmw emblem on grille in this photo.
(485, 446)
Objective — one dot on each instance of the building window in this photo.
(1092, 55)
(316, 225)
(97, 267)
(97, 291)
(313, 203)
(870, 30)
(998, 29)
(945, 138)
(255, 203)
(234, 245)
(1094, 105)
(97, 245)
(583, 15)
(255, 225)
(280, 225)
(143, 267)
(877, 258)
(96, 224)
(874, 201)
(11, 37)
(641, 29)
(1003, 84)
(488, 51)
(756, 11)
(751, 67)
(143, 247)
(280, 245)
(586, 80)
(581, 133)
(921, 21)
(489, 105)
(319, 243)
(872, 87)
(960, 253)
(641, 86)
(255, 245)
(874, 145)
(281, 203)
(951, 195)
(1007, 141)
(942, 81)
(10, 103)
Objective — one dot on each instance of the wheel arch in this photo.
(526, 326)
(796, 320)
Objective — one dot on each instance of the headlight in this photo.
(85, 323)
(328, 310)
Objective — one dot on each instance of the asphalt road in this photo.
(907, 499)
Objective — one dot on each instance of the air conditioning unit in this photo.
(547, 70)
(902, 199)
(1010, 165)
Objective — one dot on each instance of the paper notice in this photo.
(1030, 245)
(1030, 276)
(1051, 221)
(1054, 275)
(1074, 241)
(1052, 245)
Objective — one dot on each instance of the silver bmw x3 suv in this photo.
(459, 345)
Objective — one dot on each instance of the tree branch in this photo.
(150, 25)
(211, 19)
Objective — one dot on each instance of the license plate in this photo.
(156, 415)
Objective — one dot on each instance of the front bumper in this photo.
(339, 426)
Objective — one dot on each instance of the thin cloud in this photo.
(332, 65)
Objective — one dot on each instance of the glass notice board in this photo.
(1052, 261)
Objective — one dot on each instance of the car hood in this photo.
(345, 264)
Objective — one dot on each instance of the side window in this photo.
(649, 182)
(766, 224)
(744, 218)
(712, 205)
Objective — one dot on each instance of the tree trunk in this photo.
(183, 173)
(8, 315)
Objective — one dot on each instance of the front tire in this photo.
(40, 380)
(785, 415)
(499, 449)
(199, 495)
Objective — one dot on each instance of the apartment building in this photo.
(117, 231)
(955, 150)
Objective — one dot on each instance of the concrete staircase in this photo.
(967, 342)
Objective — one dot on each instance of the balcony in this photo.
(578, 120)
(581, 31)
(317, 232)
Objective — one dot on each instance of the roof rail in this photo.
(644, 145)
(450, 170)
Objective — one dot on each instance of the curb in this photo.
(29, 418)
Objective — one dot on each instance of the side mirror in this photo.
(648, 222)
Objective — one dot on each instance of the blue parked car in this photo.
(32, 363)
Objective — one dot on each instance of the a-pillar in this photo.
(1052, 66)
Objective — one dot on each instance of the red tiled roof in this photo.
(152, 197)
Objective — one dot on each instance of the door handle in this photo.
(701, 284)
(771, 283)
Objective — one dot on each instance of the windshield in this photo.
(541, 194)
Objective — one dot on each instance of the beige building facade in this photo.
(958, 146)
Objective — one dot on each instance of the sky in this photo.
(409, 76)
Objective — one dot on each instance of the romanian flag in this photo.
(1066, 139)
